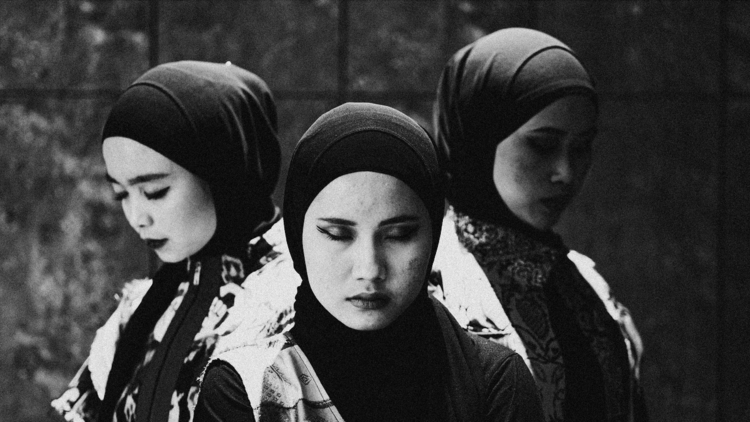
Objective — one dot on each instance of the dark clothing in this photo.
(422, 366)
(485, 382)
(583, 347)
(219, 122)
(401, 368)
(583, 365)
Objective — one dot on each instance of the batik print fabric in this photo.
(280, 382)
(522, 271)
(459, 283)
(259, 306)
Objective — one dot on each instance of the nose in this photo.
(137, 215)
(368, 263)
(562, 170)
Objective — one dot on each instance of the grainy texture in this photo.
(647, 215)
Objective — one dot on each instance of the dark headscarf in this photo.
(487, 91)
(218, 121)
(395, 373)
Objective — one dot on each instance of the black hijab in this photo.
(396, 373)
(487, 91)
(218, 121)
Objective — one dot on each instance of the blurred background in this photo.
(664, 211)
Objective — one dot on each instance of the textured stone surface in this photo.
(290, 44)
(48, 44)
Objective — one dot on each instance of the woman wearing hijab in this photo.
(363, 213)
(192, 153)
(515, 119)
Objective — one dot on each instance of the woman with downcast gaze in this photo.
(192, 154)
(515, 121)
(363, 212)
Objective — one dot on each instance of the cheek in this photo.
(529, 170)
(321, 261)
(515, 176)
(198, 213)
(413, 266)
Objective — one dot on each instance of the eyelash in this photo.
(333, 237)
(402, 234)
(158, 194)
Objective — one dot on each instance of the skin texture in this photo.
(161, 200)
(541, 166)
(366, 236)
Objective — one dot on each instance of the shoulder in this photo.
(274, 376)
(223, 396)
(478, 353)
(510, 392)
(108, 335)
(275, 281)
(503, 382)
(264, 302)
(618, 311)
(586, 267)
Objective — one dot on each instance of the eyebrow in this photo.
(143, 178)
(394, 220)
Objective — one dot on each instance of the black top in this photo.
(487, 382)
(400, 368)
(219, 122)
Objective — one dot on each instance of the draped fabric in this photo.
(421, 367)
(484, 382)
(401, 367)
(269, 311)
(577, 351)
(576, 348)
(487, 90)
(218, 121)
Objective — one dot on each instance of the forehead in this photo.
(126, 158)
(573, 114)
(364, 196)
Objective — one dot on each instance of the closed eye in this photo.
(157, 194)
(119, 196)
(401, 233)
(336, 234)
(544, 144)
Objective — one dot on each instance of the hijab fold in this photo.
(218, 121)
(486, 92)
(398, 372)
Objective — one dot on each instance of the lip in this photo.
(155, 243)
(369, 301)
(557, 204)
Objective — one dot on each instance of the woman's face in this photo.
(541, 166)
(169, 207)
(367, 241)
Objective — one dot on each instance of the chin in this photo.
(544, 222)
(169, 258)
(367, 324)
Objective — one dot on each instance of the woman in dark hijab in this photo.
(192, 153)
(515, 119)
(363, 213)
